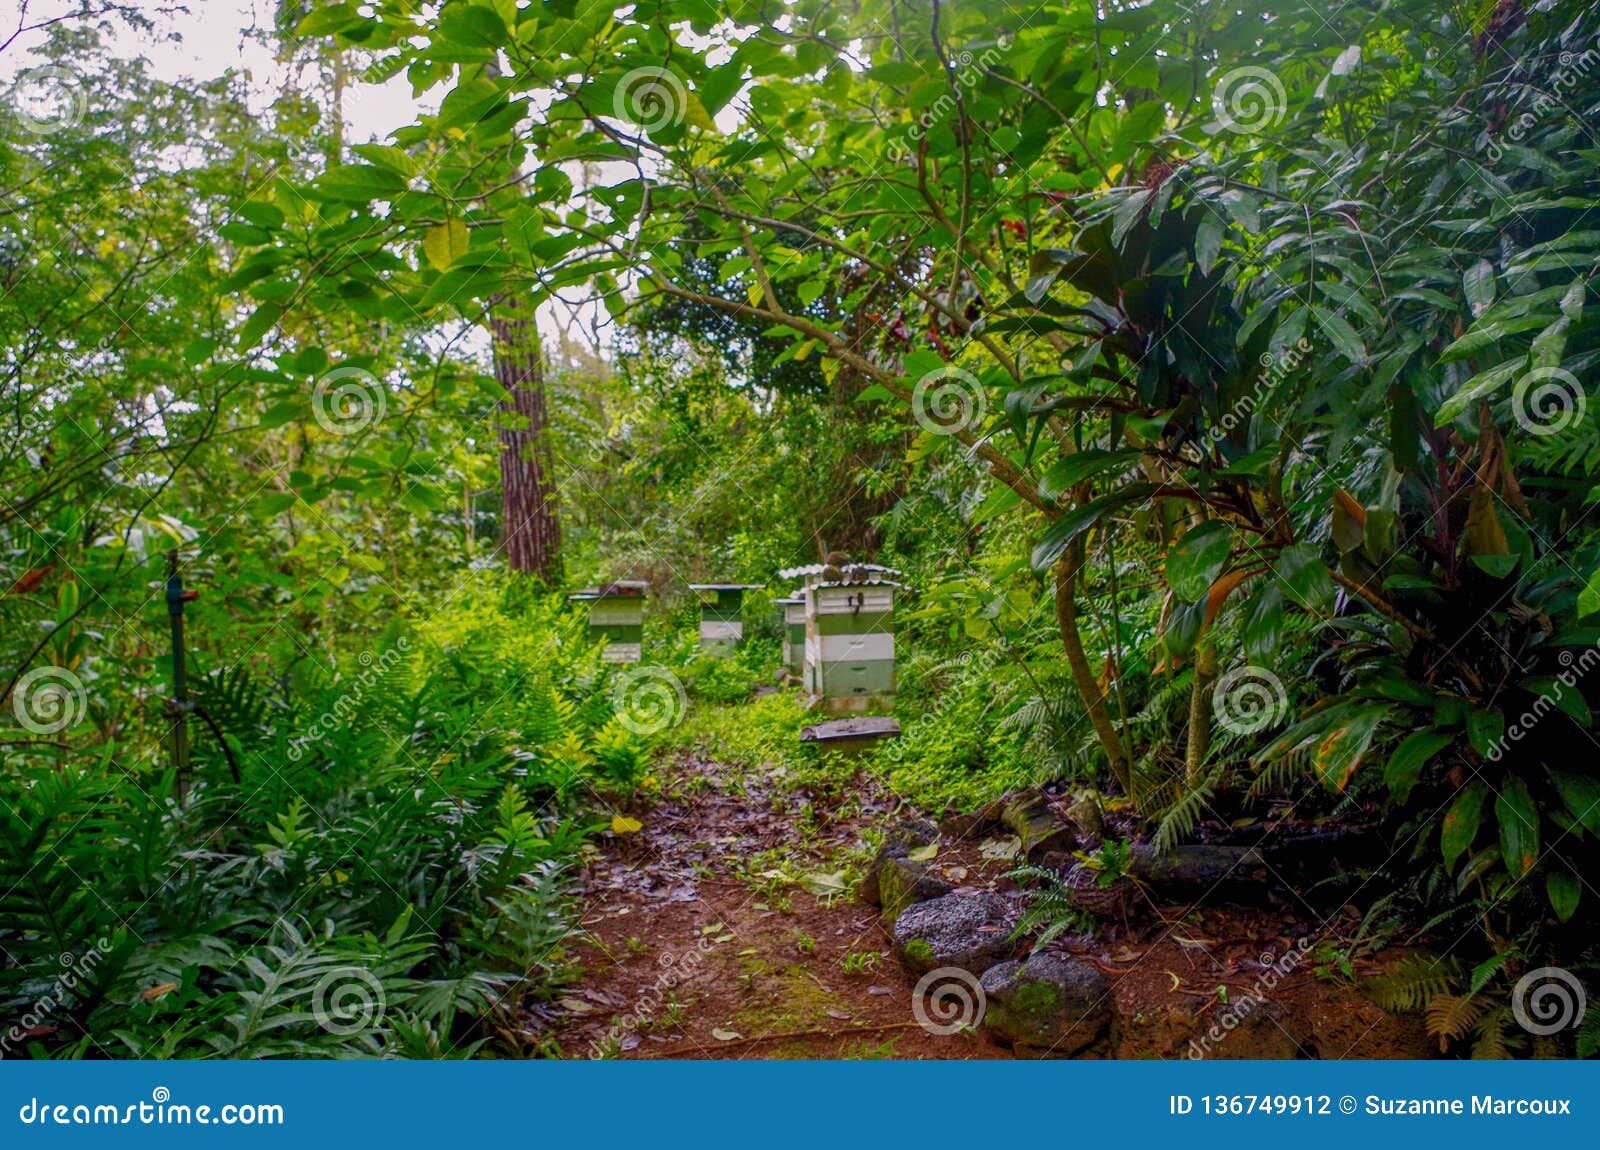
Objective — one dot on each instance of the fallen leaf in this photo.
(880, 991)
(923, 854)
(722, 1034)
(576, 1005)
(157, 991)
(841, 1015)
(1006, 848)
(623, 825)
(824, 885)
(714, 928)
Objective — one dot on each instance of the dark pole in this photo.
(179, 706)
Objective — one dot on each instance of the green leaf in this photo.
(1461, 823)
(1478, 283)
(1263, 627)
(1343, 749)
(1072, 470)
(1519, 826)
(1486, 729)
(445, 244)
(1581, 796)
(1195, 561)
(1564, 890)
(1406, 761)
(1208, 241)
(1071, 526)
(1304, 577)
(1344, 337)
(1484, 384)
(360, 183)
(281, 413)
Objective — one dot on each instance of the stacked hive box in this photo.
(792, 615)
(721, 617)
(616, 614)
(848, 663)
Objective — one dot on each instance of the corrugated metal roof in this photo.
(869, 581)
(620, 589)
(726, 586)
(819, 568)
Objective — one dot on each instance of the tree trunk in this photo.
(1068, 568)
(532, 528)
(1200, 707)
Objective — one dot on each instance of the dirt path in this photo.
(704, 946)
(713, 934)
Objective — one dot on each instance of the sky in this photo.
(213, 41)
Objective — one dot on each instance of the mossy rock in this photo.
(970, 931)
(1050, 1006)
(903, 883)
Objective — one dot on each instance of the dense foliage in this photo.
(1218, 372)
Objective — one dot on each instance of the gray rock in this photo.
(970, 931)
(902, 883)
(900, 841)
(1030, 818)
(1050, 1006)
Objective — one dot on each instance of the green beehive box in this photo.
(616, 616)
(721, 615)
(848, 661)
(792, 617)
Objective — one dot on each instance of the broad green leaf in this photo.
(1519, 826)
(1195, 561)
(1564, 890)
(1304, 577)
(1461, 821)
(446, 243)
(1406, 761)
(1069, 472)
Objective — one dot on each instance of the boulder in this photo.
(1030, 818)
(967, 930)
(1049, 1006)
(973, 823)
(900, 841)
(902, 883)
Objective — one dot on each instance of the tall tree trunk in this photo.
(1201, 707)
(527, 480)
(1068, 568)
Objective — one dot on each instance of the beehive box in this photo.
(792, 617)
(721, 614)
(810, 576)
(616, 615)
(849, 655)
